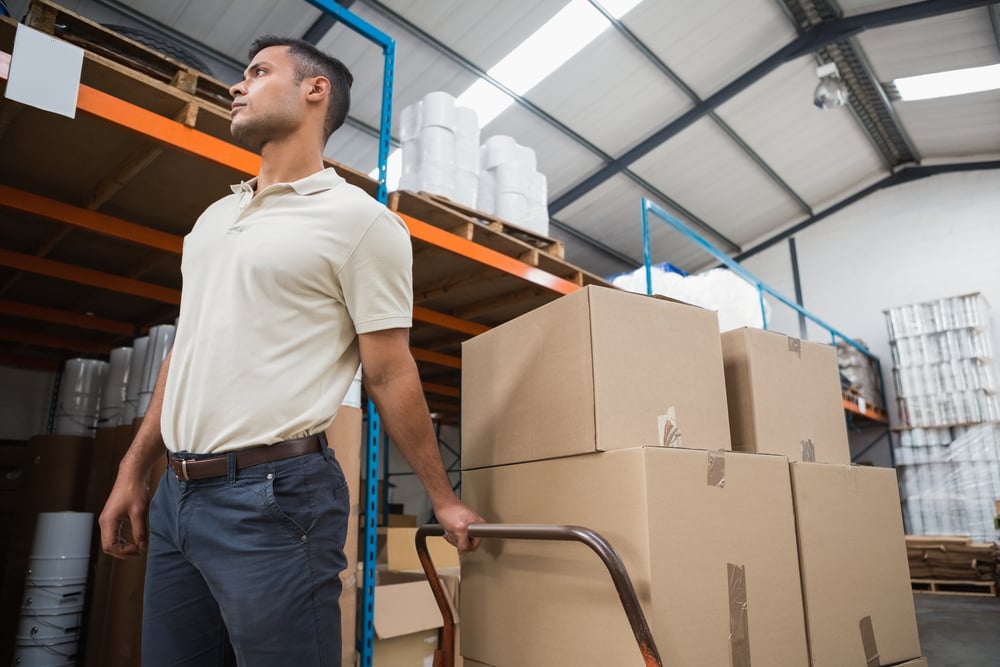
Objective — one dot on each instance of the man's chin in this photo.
(244, 137)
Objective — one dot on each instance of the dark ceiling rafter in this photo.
(693, 96)
(867, 99)
(810, 41)
(994, 10)
(582, 141)
(905, 174)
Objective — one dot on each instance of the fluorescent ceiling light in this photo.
(543, 52)
(946, 84)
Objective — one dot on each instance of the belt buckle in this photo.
(184, 470)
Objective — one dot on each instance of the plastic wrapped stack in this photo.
(440, 148)
(113, 391)
(161, 339)
(860, 371)
(79, 402)
(948, 454)
(131, 406)
(510, 186)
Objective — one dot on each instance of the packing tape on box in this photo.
(795, 345)
(717, 468)
(868, 642)
(739, 627)
(667, 430)
(808, 451)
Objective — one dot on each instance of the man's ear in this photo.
(319, 88)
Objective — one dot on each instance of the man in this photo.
(288, 284)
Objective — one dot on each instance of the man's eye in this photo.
(258, 71)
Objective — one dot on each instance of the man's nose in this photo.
(237, 89)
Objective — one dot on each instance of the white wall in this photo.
(25, 397)
(932, 238)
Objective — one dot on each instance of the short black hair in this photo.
(310, 61)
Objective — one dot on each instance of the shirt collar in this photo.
(324, 179)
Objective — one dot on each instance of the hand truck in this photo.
(444, 656)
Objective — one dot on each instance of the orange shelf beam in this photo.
(77, 274)
(50, 209)
(65, 317)
(436, 358)
(440, 389)
(869, 412)
(478, 253)
(448, 322)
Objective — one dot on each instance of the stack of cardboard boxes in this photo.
(608, 410)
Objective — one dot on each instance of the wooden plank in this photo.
(485, 306)
(948, 587)
(426, 356)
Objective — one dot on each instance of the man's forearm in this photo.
(147, 445)
(400, 402)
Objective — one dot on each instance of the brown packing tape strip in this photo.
(669, 432)
(795, 345)
(868, 642)
(717, 468)
(739, 626)
(808, 451)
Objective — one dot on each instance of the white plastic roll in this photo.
(486, 194)
(436, 178)
(134, 379)
(511, 206)
(467, 123)
(52, 599)
(538, 191)
(45, 655)
(409, 123)
(512, 177)
(411, 156)
(79, 397)
(409, 182)
(437, 109)
(113, 392)
(466, 154)
(437, 146)
(497, 150)
(466, 188)
(353, 398)
(536, 219)
(526, 157)
(161, 339)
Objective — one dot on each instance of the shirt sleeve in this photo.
(377, 279)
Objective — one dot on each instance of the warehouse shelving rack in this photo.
(93, 212)
(858, 412)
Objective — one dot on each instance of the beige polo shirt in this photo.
(276, 288)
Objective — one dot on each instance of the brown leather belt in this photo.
(218, 466)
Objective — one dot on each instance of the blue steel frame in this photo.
(762, 287)
(388, 46)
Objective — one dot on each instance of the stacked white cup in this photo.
(48, 631)
(79, 401)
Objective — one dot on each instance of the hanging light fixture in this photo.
(831, 93)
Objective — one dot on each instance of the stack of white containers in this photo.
(113, 392)
(161, 339)
(52, 605)
(510, 186)
(79, 401)
(130, 410)
(440, 148)
(948, 456)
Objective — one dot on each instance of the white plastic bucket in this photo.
(161, 339)
(113, 392)
(79, 397)
(49, 629)
(59, 534)
(135, 368)
(497, 150)
(57, 570)
(467, 123)
(36, 654)
(52, 599)
(437, 109)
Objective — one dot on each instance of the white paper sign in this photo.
(44, 72)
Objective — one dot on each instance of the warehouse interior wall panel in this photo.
(933, 238)
(688, 37)
(596, 111)
(718, 182)
(819, 154)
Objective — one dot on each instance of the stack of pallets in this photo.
(953, 565)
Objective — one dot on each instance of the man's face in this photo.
(268, 103)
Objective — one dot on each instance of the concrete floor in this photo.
(957, 631)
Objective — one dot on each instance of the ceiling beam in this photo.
(65, 317)
(810, 41)
(694, 97)
(55, 342)
(995, 22)
(471, 67)
(904, 175)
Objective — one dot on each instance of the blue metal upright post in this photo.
(373, 34)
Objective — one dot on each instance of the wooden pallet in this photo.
(946, 587)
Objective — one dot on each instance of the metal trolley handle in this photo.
(445, 655)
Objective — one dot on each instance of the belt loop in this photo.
(231, 467)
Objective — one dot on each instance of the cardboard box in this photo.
(596, 370)
(686, 523)
(784, 396)
(401, 551)
(919, 662)
(852, 553)
(406, 619)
